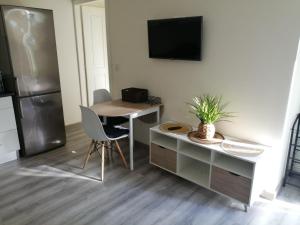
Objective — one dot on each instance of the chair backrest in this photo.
(92, 124)
(101, 95)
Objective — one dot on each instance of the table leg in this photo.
(104, 120)
(131, 141)
(158, 116)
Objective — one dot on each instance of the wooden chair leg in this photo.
(90, 149)
(111, 151)
(102, 163)
(121, 154)
(97, 146)
(107, 149)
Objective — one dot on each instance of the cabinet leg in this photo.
(245, 208)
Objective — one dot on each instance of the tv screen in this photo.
(178, 38)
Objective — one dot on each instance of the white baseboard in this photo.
(271, 195)
(268, 195)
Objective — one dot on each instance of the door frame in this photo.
(80, 47)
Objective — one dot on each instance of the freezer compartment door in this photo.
(42, 123)
(32, 47)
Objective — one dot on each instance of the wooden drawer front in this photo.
(7, 119)
(163, 157)
(6, 102)
(235, 186)
(9, 141)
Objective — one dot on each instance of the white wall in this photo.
(292, 110)
(248, 58)
(66, 51)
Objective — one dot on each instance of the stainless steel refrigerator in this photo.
(28, 58)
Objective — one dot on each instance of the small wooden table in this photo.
(117, 108)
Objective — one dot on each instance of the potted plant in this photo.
(209, 110)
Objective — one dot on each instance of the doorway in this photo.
(92, 47)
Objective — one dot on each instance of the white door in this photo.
(95, 45)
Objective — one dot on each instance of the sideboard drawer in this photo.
(163, 157)
(6, 102)
(7, 119)
(9, 141)
(233, 185)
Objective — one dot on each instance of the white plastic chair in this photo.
(93, 127)
(102, 95)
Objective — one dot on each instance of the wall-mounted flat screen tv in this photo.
(176, 38)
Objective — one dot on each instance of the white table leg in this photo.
(158, 116)
(131, 141)
(104, 120)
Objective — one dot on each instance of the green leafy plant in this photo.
(209, 109)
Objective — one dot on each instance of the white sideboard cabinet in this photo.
(209, 166)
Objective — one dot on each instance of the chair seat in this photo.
(116, 132)
(113, 121)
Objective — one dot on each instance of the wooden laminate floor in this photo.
(51, 189)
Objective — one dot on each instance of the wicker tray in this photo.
(176, 127)
(194, 136)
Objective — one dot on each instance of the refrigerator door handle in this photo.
(21, 111)
(17, 86)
